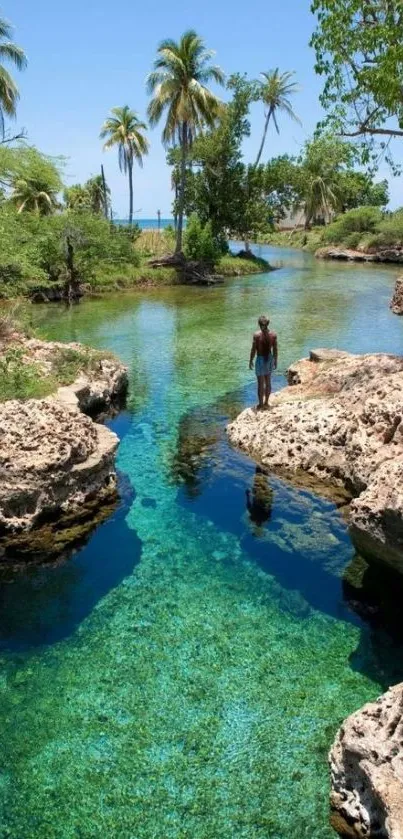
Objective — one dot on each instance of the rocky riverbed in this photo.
(340, 420)
(56, 463)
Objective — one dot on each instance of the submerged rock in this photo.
(397, 299)
(341, 421)
(366, 764)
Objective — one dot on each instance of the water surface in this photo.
(184, 674)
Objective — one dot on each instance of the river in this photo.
(184, 673)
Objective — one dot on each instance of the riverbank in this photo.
(340, 421)
(57, 464)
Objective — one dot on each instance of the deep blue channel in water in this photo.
(184, 671)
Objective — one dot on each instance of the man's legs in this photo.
(260, 390)
(267, 389)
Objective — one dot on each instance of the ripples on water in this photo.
(183, 675)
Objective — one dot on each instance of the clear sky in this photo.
(86, 56)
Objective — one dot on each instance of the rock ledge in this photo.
(341, 421)
(56, 463)
(366, 764)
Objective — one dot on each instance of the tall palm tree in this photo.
(178, 86)
(125, 130)
(275, 91)
(13, 54)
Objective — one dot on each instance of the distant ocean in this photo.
(147, 223)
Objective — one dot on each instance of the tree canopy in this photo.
(359, 51)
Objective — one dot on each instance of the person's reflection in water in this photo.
(259, 500)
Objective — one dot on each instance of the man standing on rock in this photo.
(264, 347)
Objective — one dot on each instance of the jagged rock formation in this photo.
(397, 299)
(55, 462)
(341, 421)
(366, 764)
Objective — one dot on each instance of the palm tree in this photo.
(178, 86)
(99, 194)
(31, 195)
(125, 130)
(13, 54)
(275, 91)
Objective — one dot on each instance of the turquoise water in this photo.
(184, 674)
(148, 223)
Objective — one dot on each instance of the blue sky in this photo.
(86, 56)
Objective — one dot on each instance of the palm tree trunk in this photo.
(131, 192)
(182, 185)
(266, 125)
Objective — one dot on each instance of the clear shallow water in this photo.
(184, 674)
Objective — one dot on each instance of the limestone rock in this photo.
(366, 764)
(53, 459)
(57, 465)
(397, 299)
(341, 421)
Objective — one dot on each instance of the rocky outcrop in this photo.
(52, 460)
(391, 254)
(366, 764)
(341, 421)
(56, 464)
(397, 299)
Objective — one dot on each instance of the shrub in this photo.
(389, 232)
(360, 220)
(200, 243)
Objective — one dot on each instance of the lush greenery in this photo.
(178, 85)
(365, 228)
(22, 377)
(359, 52)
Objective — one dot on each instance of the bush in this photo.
(360, 220)
(34, 248)
(389, 232)
(200, 243)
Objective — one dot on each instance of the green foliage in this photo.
(359, 51)
(179, 89)
(389, 232)
(33, 248)
(348, 228)
(200, 243)
(34, 179)
(275, 91)
(220, 188)
(234, 266)
(9, 52)
(20, 379)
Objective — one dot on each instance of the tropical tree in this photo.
(179, 88)
(125, 130)
(99, 201)
(276, 89)
(322, 163)
(10, 53)
(359, 52)
(34, 180)
(76, 197)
